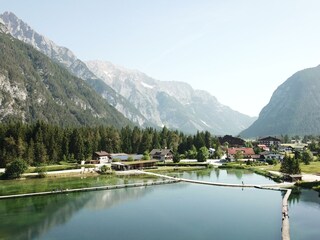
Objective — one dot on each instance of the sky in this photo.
(239, 51)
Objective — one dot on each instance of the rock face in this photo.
(143, 100)
(33, 87)
(173, 104)
(293, 108)
(66, 58)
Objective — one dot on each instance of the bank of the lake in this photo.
(267, 171)
(256, 170)
(176, 211)
(62, 180)
(58, 183)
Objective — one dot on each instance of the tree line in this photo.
(43, 143)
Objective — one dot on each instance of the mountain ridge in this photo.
(292, 109)
(39, 89)
(64, 56)
(198, 109)
(173, 104)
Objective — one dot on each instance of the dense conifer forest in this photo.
(43, 143)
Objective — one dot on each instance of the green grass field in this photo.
(31, 185)
(312, 168)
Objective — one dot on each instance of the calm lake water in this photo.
(173, 211)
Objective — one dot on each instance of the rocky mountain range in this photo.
(293, 108)
(173, 104)
(67, 59)
(33, 87)
(142, 99)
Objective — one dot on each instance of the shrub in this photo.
(105, 169)
(176, 157)
(42, 171)
(146, 156)
(272, 161)
(15, 169)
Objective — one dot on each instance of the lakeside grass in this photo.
(60, 167)
(72, 181)
(32, 185)
(312, 168)
(175, 169)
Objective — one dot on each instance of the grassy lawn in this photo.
(59, 167)
(181, 164)
(176, 169)
(312, 168)
(31, 185)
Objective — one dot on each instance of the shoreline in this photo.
(108, 187)
(86, 180)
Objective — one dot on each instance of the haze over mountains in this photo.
(293, 108)
(173, 104)
(143, 100)
(27, 77)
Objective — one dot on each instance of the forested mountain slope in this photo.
(32, 87)
(293, 108)
(67, 59)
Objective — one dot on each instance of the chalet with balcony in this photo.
(162, 154)
(269, 141)
(247, 153)
(102, 157)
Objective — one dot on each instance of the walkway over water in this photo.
(276, 187)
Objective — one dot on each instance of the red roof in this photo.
(102, 154)
(245, 151)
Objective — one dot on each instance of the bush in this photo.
(146, 156)
(15, 169)
(116, 159)
(105, 169)
(42, 171)
(176, 157)
(272, 161)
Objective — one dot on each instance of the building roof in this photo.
(245, 151)
(102, 153)
(264, 147)
(160, 151)
(269, 139)
(294, 145)
(232, 141)
(140, 162)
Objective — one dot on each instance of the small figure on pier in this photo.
(242, 183)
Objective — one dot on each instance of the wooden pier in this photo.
(275, 187)
(109, 187)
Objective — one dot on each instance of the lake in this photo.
(172, 211)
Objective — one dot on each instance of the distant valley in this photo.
(133, 97)
(143, 100)
(293, 108)
(173, 104)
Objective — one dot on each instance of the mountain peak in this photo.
(22, 31)
(9, 15)
(292, 109)
(173, 104)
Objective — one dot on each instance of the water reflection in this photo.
(174, 207)
(32, 217)
(217, 173)
(304, 212)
